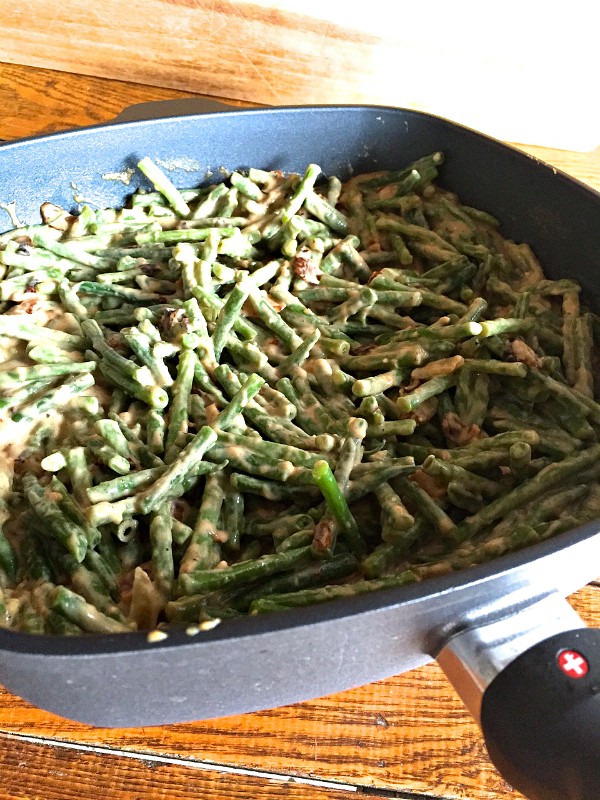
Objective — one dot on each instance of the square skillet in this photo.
(262, 662)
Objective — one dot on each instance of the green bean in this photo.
(108, 456)
(317, 574)
(71, 535)
(178, 412)
(526, 492)
(21, 329)
(247, 460)
(86, 616)
(141, 345)
(54, 398)
(395, 519)
(163, 185)
(233, 519)
(322, 210)
(450, 471)
(513, 369)
(304, 187)
(203, 550)
(154, 396)
(72, 511)
(155, 432)
(472, 395)
(228, 313)
(281, 527)
(295, 540)
(410, 492)
(104, 570)
(308, 597)
(428, 389)
(299, 355)
(212, 304)
(79, 473)
(123, 485)
(57, 624)
(18, 375)
(380, 383)
(32, 552)
(338, 515)
(161, 541)
(169, 484)
(370, 480)
(280, 430)
(110, 431)
(243, 573)
(8, 557)
(519, 459)
(69, 250)
(272, 320)
(141, 453)
(340, 512)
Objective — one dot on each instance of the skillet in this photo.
(522, 660)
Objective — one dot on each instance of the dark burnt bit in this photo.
(363, 349)
(457, 432)
(151, 270)
(172, 323)
(324, 535)
(28, 463)
(305, 267)
(29, 306)
(115, 341)
(56, 217)
(373, 275)
(31, 286)
(24, 245)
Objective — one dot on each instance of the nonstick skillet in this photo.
(524, 663)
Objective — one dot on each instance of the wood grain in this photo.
(36, 101)
(38, 771)
(409, 734)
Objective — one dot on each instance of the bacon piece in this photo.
(434, 487)
(457, 432)
(56, 217)
(305, 267)
(522, 352)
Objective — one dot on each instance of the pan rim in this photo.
(509, 568)
(482, 574)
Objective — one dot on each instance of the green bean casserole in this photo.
(277, 390)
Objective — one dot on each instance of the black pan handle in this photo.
(540, 718)
(183, 106)
(532, 682)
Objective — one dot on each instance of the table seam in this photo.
(213, 766)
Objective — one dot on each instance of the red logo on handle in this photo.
(573, 663)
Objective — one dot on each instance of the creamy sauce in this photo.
(11, 210)
(183, 162)
(124, 176)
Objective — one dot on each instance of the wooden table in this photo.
(406, 737)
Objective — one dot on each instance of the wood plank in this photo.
(37, 771)
(38, 101)
(286, 51)
(408, 733)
